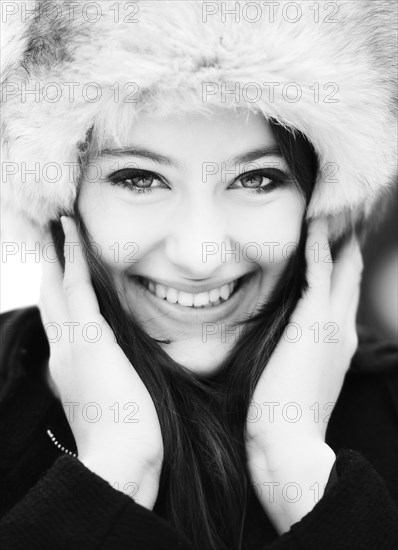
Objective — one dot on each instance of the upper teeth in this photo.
(187, 299)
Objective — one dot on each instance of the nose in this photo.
(199, 244)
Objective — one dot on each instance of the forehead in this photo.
(219, 134)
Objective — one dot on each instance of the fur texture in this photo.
(346, 51)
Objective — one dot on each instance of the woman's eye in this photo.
(261, 181)
(138, 181)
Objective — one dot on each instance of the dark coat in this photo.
(50, 500)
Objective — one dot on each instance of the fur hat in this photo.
(327, 69)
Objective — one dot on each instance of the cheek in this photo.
(120, 231)
(270, 234)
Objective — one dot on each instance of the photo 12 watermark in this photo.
(54, 12)
(270, 12)
(270, 92)
(36, 252)
(53, 92)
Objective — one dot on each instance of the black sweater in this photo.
(50, 500)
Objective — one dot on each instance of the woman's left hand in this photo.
(288, 459)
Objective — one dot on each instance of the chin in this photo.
(198, 361)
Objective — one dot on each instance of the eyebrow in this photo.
(249, 156)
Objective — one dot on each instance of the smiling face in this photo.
(181, 213)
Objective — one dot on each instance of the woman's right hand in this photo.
(109, 409)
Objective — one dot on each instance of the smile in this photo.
(217, 304)
(201, 300)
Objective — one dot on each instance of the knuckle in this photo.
(68, 285)
(71, 286)
(319, 286)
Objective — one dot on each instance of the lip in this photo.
(184, 314)
(192, 289)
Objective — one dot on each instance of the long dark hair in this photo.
(204, 483)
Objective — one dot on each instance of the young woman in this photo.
(193, 376)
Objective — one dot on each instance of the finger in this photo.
(80, 296)
(318, 256)
(52, 299)
(346, 276)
